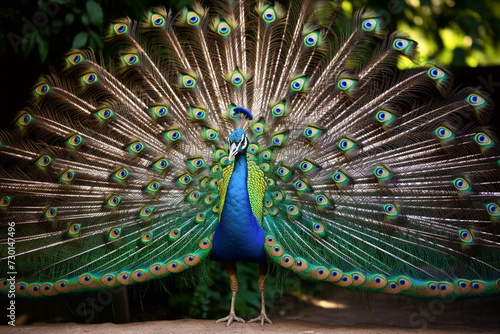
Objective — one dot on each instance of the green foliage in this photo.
(457, 32)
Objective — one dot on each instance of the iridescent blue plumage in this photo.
(238, 235)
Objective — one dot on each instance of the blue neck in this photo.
(238, 236)
(238, 189)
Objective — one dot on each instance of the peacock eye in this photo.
(465, 236)
(114, 234)
(270, 182)
(74, 230)
(346, 144)
(43, 161)
(311, 132)
(266, 154)
(278, 139)
(89, 78)
(322, 200)
(113, 201)
(340, 177)
(120, 28)
(483, 139)
(278, 196)
(196, 163)
(130, 59)
(24, 119)
(390, 210)
(104, 114)
(269, 15)
(318, 228)
(493, 209)
(401, 44)
(258, 129)
(172, 135)
(210, 134)
(301, 186)
(284, 173)
(475, 100)
(461, 184)
(237, 79)
(193, 196)
(292, 210)
(278, 110)
(188, 81)
(135, 147)
(50, 213)
(214, 183)
(156, 20)
(307, 166)
(67, 176)
(381, 173)
(192, 18)
(209, 198)
(223, 29)
(216, 168)
(298, 84)
(75, 140)
(146, 238)
(345, 84)
(74, 58)
(5, 201)
(198, 113)
(120, 174)
(146, 212)
(42, 89)
(152, 187)
(311, 39)
(435, 73)
(384, 117)
(370, 24)
(158, 111)
(443, 133)
(253, 148)
(184, 179)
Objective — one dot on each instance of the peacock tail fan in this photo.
(377, 179)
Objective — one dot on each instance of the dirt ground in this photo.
(209, 326)
(337, 311)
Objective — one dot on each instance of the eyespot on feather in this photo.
(345, 281)
(286, 261)
(335, 275)
(319, 273)
(140, 275)
(158, 269)
(275, 250)
(175, 267)
(299, 265)
(124, 278)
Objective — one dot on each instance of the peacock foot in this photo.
(230, 318)
(263, 319)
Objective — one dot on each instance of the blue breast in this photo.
(238, 236)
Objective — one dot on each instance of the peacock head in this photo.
(238, 140)
(238, 143)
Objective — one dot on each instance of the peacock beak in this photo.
(233, 150)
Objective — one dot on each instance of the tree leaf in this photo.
(95, 13)
(70, 17)
(43, 47)
(80, 40)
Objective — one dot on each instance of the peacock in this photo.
(257, 131)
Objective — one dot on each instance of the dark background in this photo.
(441, 27)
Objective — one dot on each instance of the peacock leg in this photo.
(262, 287)
(233, 283)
